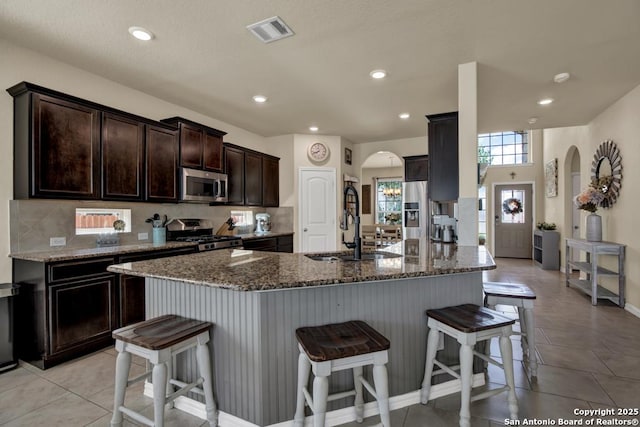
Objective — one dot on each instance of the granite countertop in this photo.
(251, 236)
(244, 270)
(79, 253)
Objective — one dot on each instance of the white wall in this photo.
(619, 123)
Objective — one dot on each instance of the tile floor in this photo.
(590, 359)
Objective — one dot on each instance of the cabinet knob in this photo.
(304, 229)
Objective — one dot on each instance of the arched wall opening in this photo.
(379, 165)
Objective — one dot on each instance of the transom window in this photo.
(504, 148)
(389, 201)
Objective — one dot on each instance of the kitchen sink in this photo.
(366, 256)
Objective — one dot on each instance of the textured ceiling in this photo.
(204, 58)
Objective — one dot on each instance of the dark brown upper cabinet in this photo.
(443, 157)
(161, 164)
(200, 145)
(57, 146)
(122, 158)
(253, 177)
(234, 168)
(270, 181)
(416, 168)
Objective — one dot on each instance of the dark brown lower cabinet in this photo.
(69, 308)
(132, 300)
(65, 309)
(270, 244)
(81, 312)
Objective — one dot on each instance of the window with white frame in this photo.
(102, 220)
(388, 201)
(504, 148)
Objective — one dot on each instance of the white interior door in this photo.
(317, 198)
(513, 230)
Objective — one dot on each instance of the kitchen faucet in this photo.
(356, 245)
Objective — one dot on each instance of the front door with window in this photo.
(513, 221)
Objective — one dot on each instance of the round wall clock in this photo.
(318, 151)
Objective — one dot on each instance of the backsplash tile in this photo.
(33, 222)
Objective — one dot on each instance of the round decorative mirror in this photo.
(606, 172)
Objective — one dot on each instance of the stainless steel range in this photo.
(200, 231)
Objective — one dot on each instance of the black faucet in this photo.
(356, 245)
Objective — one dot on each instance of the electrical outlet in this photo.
(58, 241)
(143, 236)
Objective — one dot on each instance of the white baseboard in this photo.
(339, 416)
(632, 309)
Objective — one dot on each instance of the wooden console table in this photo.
(590, 285)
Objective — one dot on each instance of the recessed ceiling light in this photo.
(313, 128)
(404, 116)
(141, 33)
(378, 74)
(561, 78)
(260, 99)
(532, 120)
(545, 101)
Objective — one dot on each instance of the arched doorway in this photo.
(573, 185)
(382, 175)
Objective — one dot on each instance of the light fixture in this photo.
(561, 77)
(260, 99)
(532, 120)
(141, 33)
(313, 128)
(545, 101)
(378, 74)
(392, 192)
(404, 116)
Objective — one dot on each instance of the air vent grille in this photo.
(270, 30)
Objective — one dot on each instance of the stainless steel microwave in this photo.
(202, 186)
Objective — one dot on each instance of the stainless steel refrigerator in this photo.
(414, 210)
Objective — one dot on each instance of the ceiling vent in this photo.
(270, 30)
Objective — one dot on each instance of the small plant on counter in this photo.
(546, 225)
(156, 222)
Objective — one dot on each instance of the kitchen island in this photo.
(257, 299)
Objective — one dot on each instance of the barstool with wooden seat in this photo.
(336, 347)
(522, 297)
(469, 324)
(158, 340)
